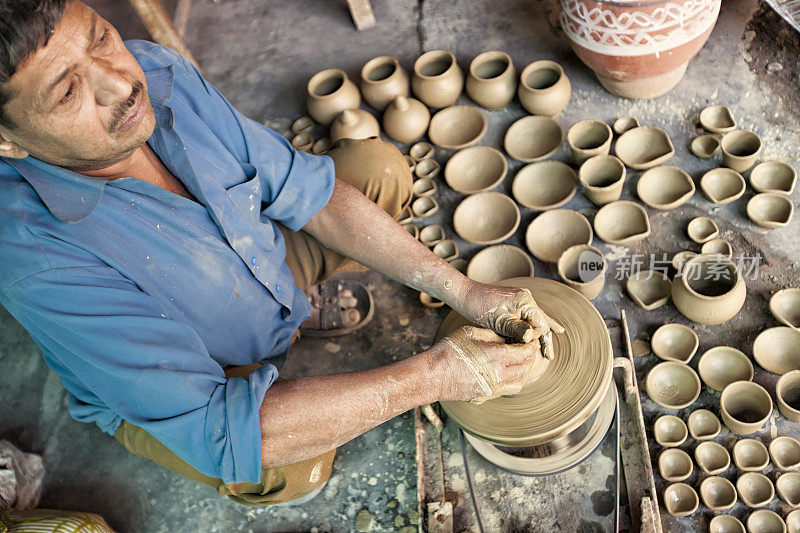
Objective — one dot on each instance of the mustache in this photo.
(124, 108)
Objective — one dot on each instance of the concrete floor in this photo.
(260, 55)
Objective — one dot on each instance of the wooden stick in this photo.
(160, 27)
(362, 14)
(182, 16)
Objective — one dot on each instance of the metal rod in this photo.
(469, 482)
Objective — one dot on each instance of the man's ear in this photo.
(11, 149)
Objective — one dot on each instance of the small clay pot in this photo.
(427, 169)
(424, 187)
(793, 521)
(770, 210)
(740, 148)
(725, 523)
(437, 79)
(710, 290)
(719, 247)
(722, 185)
(672, 385)
(424, 207)
(602, 177)
(649, 289)
(329, 93)
(406, 119)
(788, 487)
(787, 391)
(422, 150)
(777, 349)
(429, 301)
(446, 249)
(774, 177)
(544, 88)
(431, 235)
(552, 232)
(622, 222)
(589, 138)
(680, 499)
(583, 267)
(499, 262)
(680, 259)
(722, 365)
(717, 119)
(717, 493)
(412, 230)
(705, 146)
(745, 407)
(665, 187)
(302, 124)
(785, 453)
(703, 425)
(492, 80)
(765, 521)
(670, 431)
(457, 127)
(382, 80)
(750, 455)
(675, 464)
(475, 169)
(623, 124)
(532, 138)
(303, 141)
(644, 147)
(321, 146)
(354, 124)
(712, 457)
(702, 229)
(755, 489)
(675, 342)
(486, 218)
(544, 185)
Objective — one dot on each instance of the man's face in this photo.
(73, 100)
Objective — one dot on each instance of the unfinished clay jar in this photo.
(532, 138)
(644, 147)
(622, 222)
(710, 290)
(750, 455)
(705, 146)
(486, 218)
(475, 169)
(602, 177)
(588, 138)
(785, 307)
(703, 425)
(672, 385)
(788, 487)
(675, 342)
(431, 235)
(670, 431)
(745, 407)
(583, 267)
(770, 210)
(722, 185)
(544, 185)
(702, 229)
(719, 247)
(755, 489)
(457, 127)
(406, 119)
(649, 289)
(725, 523)
(492, 80)
(787, 391)
(354, 124)
(722, 365)
(665, 187)
(740, 148)
(437, 79)
(777, 349)
(623, 124)
(675, 464)
(552, 232)
(773, 176)
(712, 457)
(765, 521)
(329, 93)
(717, 119)
(499, 262)
(422, 150)
(785, 453)
(680, 499)
(544, 88)
(717, 493)
(382, 80)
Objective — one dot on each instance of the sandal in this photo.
(331, 317)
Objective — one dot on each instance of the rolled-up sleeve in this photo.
(150, 369)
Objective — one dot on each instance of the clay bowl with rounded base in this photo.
(745, 407)
(670, 431)
(717, 119)
(475, 169)
(705, 146)
(583, 267)
(622, 222)
(740, 148)
(544, 88)
(675, 464)
(750, 455)
(785, 453)
(680, 259)
(725, 523)
(773, 176)
(544, 185)
(787, 391)
(532, 138)
(710, 289)
(427, 168)
(429, 301)
(665, 187)
(602, 178)
(644, 147)
(717, 247)
(765, 521)
(788, 487)
(672, 385)
(777, 349)
(718, 493)
(623, 124)
(722, 365)
(793, 521)
(437, 79)
(755, 489)
(785, 307)
(486, 218)
(702, 229)
(703, 425)
(424, 207)
(492, 80)
(499, 262)
(431, 235)
(649, 289)
(722, 185)
(680, 499)
(552, 232)
(770, 210)
(457, 127)
(446, 249)
(422, 150)
(589, 138)
(424, 187)
(712, 457)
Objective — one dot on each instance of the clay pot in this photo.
(427, 169)
(788, 487)
(675, 464)
(457, 127)
(745, 407)
(532, 138)
(321, 146)
(544, 88)
(755, 489)
(499, 262)
(705, 146)
(649, 289)
(429, 301)
(718, 493)
(750, 455)
(424, 207)
(329, 93)
(722, 365)
(703, 425)
(777, 349)
(644, 147)
(722, 185)
(354, 124)
(544, 185)
(712, 457)
(675, 342)
(492, 80)
(680, 499)
(670, 431)
(680, 259)
(765, 521)
(446, 249)
(785, 453)
(725, 523)
(486, 218)
(702, 229)
(785, 307)
(303, 141)
(475, 169)
(717, 119)
(672, 385)
(710, 289)
(382, 80)
(583, 267)
(406, 119)
(431, 235)
(740, 148)
(623, 124)
(551, 233)
(423, 187)
(719, 247)
(589, 138)
(665, 187)
(793, 521)
(787, 391)
(770, 210)
(774, 177)
(437, 80)
(422, 150)
(302, 124)
(602, 177)
(622, 222)
(412, 230)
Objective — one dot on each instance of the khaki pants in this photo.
(378, 170)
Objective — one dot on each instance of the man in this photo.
(155, 243)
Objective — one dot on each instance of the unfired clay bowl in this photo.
(680, 499)
(777, 349)
(431, 235)
(675, 342)
(602, 177)
(405, 216)
(722, 185)
(785, 453)
(717, 246)
(499, 262)
(589, 138)
(672, 385)
(702, 229)
(718, 493)
(457, 127)
(740, 148)
(422, 150)
(703, 425)
(412, 230)
(429, 301)
(770, 210)
(303, 141)
(712, 457)
(427, 168)
(459, 264)
(650, 289)
(705, 146)
(670, 431)
(765, 521)
(717, 119)
(773, 176)
(750, 455)
(475, 169)
(787, 391)
(788, 487)
(552, 232)
(755, 489)
(675, 464)
(745, 407)
(532, 138)
(622, 222)
(322, 145)
(544, 185)
(623, 124)
(722, 365)
(302, 124)
(785, 307)
(680, 259)
(486, 218)
(665, 187)
(793, 521)
(644, 147)
(710, 290)
(424, 187)
(725, 523)
(446, 249)
(424, 207)
(583, 267)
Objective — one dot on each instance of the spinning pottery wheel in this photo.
(560, 417)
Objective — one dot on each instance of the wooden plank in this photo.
(160, 26)
(362, 14)
(182, 16)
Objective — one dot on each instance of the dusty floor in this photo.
(260, 55)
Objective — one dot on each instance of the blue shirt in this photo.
(138, 297)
